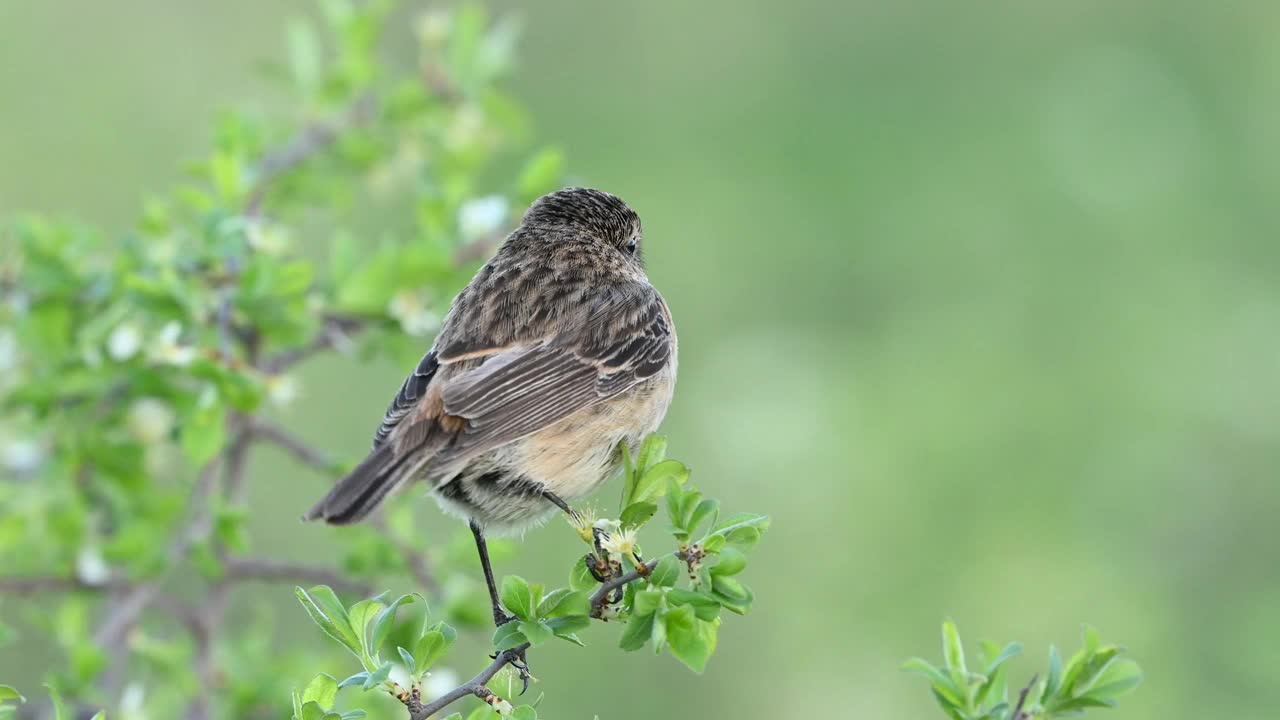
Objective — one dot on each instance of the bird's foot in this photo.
(519, 661)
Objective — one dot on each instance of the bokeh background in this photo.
(981, 301)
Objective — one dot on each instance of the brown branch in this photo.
(294, 445)
(334, 335)
(264, 570)
(1018, 714)
(306, 143)
(476, 686)
(601, 596)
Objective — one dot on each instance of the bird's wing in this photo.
(624, 337)
(411, 393)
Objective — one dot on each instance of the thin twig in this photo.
(35, 584)
(476, 686)
(302, 146)
(1022, 700)
(601, 596)
(335, 334)
(241, 569)
(294, 445)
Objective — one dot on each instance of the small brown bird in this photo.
(557, 350)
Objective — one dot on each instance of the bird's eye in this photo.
(631, 246)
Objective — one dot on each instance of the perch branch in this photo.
(476, 686)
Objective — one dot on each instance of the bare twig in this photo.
(335, 333)
(35, 584)
(1018, 714)
(240, 569)
(601, 596)
(294, 445)
(302, 146)
(476, 686)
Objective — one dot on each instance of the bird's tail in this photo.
(357, 494)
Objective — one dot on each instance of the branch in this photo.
(33, 584)
(334, 335)
(1022, 700)
(302, 146)
(601, 596)
(475, 686)
(265, 570)
(294, 445)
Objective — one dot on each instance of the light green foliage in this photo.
(1095, 677)
(138, 367)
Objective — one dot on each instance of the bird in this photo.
(556, 354)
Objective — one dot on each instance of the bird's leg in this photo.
(500, 617)
(560, 503)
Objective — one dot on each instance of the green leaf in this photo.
(691, 641)
(204, 431)
(1119, 679)
(647, 602)
(652, 451)
(953, 653)
(312, 711)
(535, 632)
(517, 597)
(563, 602)
(357, 679)
(429, 648)
(705, 607)
(638, 514)
(361, 616)
(580, 577)
(707, 508)
(406, 657)
(541, 174)
(100, 715)
(59, 712)
(327, 612)
(941, 681)
(639, 629)
(1054, 678)
(351, 715)
(377, 676)
(524, 712)
(742, 530)
(8, 693)
(566, 627)
(508, 636)
(1092, 669)
(732, 561)
(322, 690)
(667, 572)
(385, 620)
(653, 483)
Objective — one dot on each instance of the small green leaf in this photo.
(357, 679)
(361, 616)
(535, 632)
(732, 561)
(312, 711)
(580, 577)
(100, 715)
(638, 514)
(377, 676)
(429, 648)
(953, 653)
(647, 602)
(322, 690)
(385, 620)
(708, 508)
(1093, 668)
(508, 636)
(517, 596)
(639, 629)
(691, 641)
(563, 602)
(524, 712)
(667, 572)
(652, 451)
(653, 483)
(59, 712)
(1118, 679)
(407, 658)
(204, 431)
(326, 612)
(705, 607)
(1054, 677)
(8, 693)
(566, 627)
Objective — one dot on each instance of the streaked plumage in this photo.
(556, 351)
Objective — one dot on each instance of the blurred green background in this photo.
(980, 301)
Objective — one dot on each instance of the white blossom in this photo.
(439, 682)
(282, 390)
(410, 309)
(124, 341)
(150, 419)
(21, 455)
(482, 216)
(166, 350)
(91, 567)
